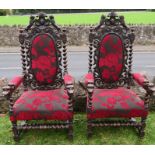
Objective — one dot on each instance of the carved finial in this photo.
(41, 15)
(52, 19)
(102, 19)
(31, 18)
(112, 14)
(41, 19)
(122, 21)
(112, 17)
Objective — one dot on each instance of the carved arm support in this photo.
(10, 88)
(89, 82)
(69, 86)
(148, 86)
(143, 81)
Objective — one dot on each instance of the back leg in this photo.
(89, 130)
(70, 130)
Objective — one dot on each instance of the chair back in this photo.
(42, 43)
(110, 52)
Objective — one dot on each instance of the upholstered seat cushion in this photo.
(120, 102)
(33, 105)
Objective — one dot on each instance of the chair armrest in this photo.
(12, 85)
(89, 82)
(16, 81)
(143, 81)
(69, 83)
(140, 79)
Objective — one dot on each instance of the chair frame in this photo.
(42, 24)
(113, 24)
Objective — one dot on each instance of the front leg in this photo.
(70, 130)
(69, 86)
(90, 88)
(70, 91)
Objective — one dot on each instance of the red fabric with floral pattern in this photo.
(44, 59)
(33, 105)
(120, 102)
(139, 78)
(16, 81)
(111, 58)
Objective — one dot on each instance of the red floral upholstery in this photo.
(44, 59)
(68, 79)
(33, 105)
(139, 78)
(120, 102)
(111, 58)
(16, 81)
(89, 78)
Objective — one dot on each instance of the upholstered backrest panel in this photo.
(110, 57)
(44, 59)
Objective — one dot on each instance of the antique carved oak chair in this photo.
(48, 88)
(110, 99)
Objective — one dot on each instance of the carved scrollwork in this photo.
(59, 44)
(96, 43)
(27, 44)
(112, 24)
